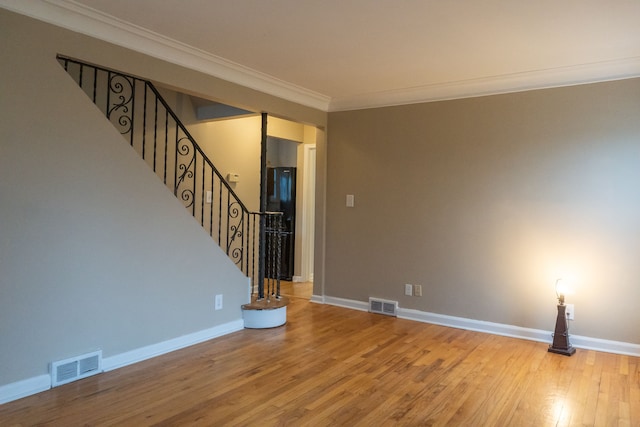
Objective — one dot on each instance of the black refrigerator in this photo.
(281, 197)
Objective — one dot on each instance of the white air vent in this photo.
(75, 368)
(381, 306)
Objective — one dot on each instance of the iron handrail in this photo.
(195, 178)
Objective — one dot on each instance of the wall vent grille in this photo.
(75, 368)
(381, 306)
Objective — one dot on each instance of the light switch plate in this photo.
(350, 200)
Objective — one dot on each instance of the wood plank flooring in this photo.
(330, 366)
(296, 289)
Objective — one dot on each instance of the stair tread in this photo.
(267, 303)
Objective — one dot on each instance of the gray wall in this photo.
(95, 253)
(486, 201)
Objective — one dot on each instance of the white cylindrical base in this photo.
(262, 319)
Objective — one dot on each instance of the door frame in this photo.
(308, 213)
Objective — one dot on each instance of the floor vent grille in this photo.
(381, 306)
(75, 368)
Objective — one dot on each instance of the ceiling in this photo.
(347, 54)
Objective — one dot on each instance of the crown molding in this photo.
(509, 83)
(85, 20)
(82, 19)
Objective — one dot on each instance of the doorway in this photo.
(291, 177)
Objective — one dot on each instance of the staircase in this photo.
(252, 240)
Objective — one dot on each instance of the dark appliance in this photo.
(281, 197)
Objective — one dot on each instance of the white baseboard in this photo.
(301, 279)
(475, 325)
(24, 388)
(607, 346)
(346, 303)
(153, 350)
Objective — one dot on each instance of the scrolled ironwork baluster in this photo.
(120, 107)
(234, 231)
(184, 150)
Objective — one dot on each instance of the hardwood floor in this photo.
(334, 366)
(296, 289)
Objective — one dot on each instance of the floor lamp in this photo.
(561, 344)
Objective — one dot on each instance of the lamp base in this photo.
(561, 344)
(565, 351)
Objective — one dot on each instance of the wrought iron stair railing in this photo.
(134, 106)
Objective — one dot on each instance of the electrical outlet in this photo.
(218, 305)
(408, 290)
(570, 312)
(417, 290)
